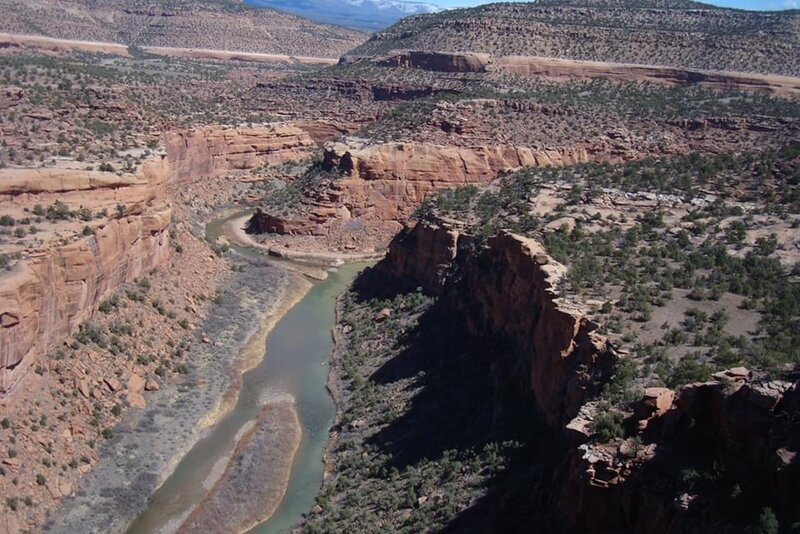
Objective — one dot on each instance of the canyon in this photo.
(53, 291)
(573, 69)
(561, 273)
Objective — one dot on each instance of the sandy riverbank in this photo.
(148, 445)
(259, 469)
(235, 231)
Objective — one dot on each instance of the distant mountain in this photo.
(217, 24)
(680, 33)
(370, 15)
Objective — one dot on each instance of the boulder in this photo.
(382, 315)
(112, 384)
(136, 383)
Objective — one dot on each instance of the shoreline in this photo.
(332, 385)
(152, 442)
(234, 231)
(262, 461)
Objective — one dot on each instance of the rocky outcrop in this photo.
(505, 293)
(436, 61)
(387, 181)
(48, 296)
(422, 256)
(741, 424)
(58, 285)
(216, 150)
(93, 190)
(264, 223)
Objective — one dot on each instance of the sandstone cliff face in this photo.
(422, 256)
(387, 181)
(506, 292)
(93, 190)
(58, 286)
(436, 61)
(215, 150)
(509, 292)
(46, 297)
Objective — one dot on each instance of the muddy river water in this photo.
(295, 368)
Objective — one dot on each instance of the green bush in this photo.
(687, 371)
(608, 425)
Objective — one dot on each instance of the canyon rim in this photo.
(515, 267)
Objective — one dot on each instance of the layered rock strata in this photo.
(216, 150)
(58, 285)
(48, 296)
(505, 293)
(386, 182)
(569, 69)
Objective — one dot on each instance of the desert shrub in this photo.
(608, 425)
(687, 371)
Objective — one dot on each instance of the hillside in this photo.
(370, 15)
(660, 32)
(215, 24)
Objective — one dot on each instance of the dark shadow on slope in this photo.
(464, 404)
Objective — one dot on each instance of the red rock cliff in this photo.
(55, 288)
(387, 181)
(217, 150)
(508, 290)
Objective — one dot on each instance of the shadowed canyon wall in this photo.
(504, 293)
(507, 292)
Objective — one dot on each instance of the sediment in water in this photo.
(148, 444)
(256, 478)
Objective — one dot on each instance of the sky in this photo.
(741, 4)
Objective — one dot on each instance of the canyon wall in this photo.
(58, 283)
(506, 293)
(387, 181)
(217, 150)
(567, 69)
(503, 295)
(47, 296)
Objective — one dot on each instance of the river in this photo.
(294, 367)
